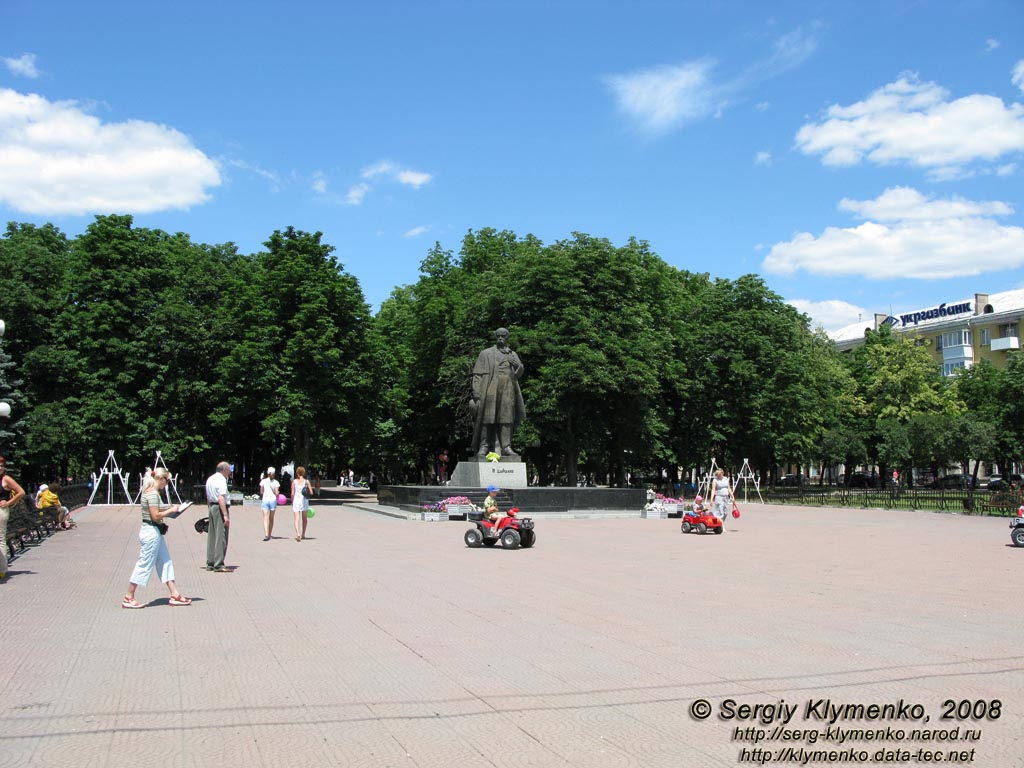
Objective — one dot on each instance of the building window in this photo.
(1008, 330)
(952, 369)
(986, 337)
(956, 339)
(938, 341)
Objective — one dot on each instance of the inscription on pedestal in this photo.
(504, 474)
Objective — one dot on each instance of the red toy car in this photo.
(701, 522)
(513, 531)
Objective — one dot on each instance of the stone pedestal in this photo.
(480, 474)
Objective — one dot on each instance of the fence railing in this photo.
(979, 502)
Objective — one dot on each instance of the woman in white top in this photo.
(724, 500)
(269, 488)
(300, 502)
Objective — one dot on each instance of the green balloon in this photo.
(310, 512)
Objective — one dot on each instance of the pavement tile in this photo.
(386, 642)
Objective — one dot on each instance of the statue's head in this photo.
(502, 336)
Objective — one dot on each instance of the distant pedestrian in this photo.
(10, 494)
(219, 502)
(153, 552)
(269, 488)
(301, 492)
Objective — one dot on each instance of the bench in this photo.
(26, 525)
(1004, 503)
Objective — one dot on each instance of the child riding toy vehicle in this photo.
(701, 522)
(512, 531)
(1017, 529)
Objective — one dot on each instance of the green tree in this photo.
(302, 321)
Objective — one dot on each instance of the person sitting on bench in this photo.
(47, 497)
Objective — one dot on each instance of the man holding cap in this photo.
(492, 511)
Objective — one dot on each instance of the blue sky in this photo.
(860, 156)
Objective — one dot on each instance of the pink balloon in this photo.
(282, 499)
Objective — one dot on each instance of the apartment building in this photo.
(962, 333)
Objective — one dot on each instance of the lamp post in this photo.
(5, 408)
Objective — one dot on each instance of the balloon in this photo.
(310, 512)
(282, 499)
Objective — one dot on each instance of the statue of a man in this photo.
(497, 402)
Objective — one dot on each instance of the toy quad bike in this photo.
(1017, 529)
(513, 531)
(703, 522)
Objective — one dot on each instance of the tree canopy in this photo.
(137, 340)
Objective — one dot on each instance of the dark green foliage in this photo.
(136, 340)
(148, 341)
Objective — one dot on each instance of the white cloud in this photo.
(830, 315)
(1017, 76)
(907, 204)
(416, 231)
(356, 193)
(386, 170)
(663, 98)
(413, 178)
(991, 44)
(57, 159)
(383, 166)
(666, 97)
(319, 182)
(763, 158)
(792, 49)
(24, 65)
(270, 176)
(912, 237)
(915, 123)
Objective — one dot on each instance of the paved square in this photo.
(383, 642)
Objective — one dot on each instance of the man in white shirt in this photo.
(220, 518)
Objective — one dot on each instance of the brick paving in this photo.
(385, 642)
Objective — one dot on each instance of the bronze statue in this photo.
(497, 402)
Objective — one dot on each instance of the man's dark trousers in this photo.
(217, 543)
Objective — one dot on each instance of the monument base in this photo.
(480, 474)
(550, 499)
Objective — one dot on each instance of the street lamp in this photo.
(5, 408)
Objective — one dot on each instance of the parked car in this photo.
(792, 480)
(954, 481)
(1001, 483)
(860, 480)
(924, 479)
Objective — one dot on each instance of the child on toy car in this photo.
(492, 511)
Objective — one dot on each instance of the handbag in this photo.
(305, 489)
(162, 527)
(202, 524)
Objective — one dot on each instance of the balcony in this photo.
(1006, 343)
(958, 353)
